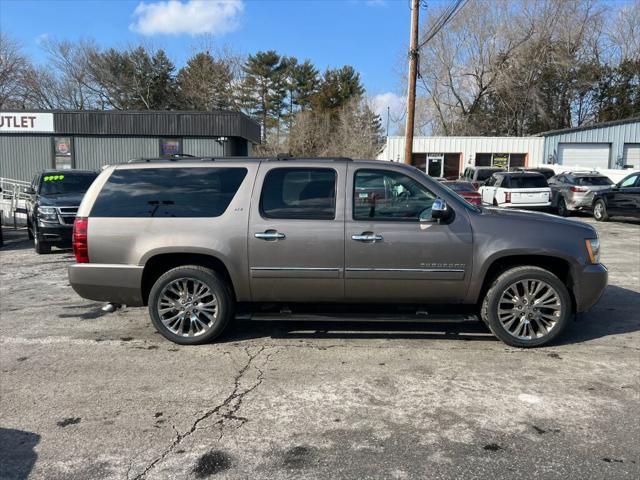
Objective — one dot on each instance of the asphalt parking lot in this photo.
(85, 394)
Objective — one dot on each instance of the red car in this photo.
(465, 190)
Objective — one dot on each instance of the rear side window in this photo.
(299, 193)
(168, 192)
(594, 181)
(529, 181)
(486, 173)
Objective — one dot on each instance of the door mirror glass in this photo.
(29, 190)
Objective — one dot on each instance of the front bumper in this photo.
(589, 285)
(107, 282)
(58, 235)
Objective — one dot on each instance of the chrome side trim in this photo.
(418, 270)
(296, 272)
(311, 269)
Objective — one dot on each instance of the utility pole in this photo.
(413, 74)
(388, 113)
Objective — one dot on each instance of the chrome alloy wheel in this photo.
(187, 307)
(598, 210)
(529, 309)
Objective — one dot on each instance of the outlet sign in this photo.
(25, 122)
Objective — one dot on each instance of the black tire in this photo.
(600, 211)
(217, 285)
(29, 231)
(41, 247)
(563, 211)
(489, 310)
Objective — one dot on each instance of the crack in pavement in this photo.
(233, 402)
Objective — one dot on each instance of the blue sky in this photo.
(370, 35)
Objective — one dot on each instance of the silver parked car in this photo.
(193, 239)
(573, 191)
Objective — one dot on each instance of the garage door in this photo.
(631, 155)
(587, 155)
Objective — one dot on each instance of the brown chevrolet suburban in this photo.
(196, 239)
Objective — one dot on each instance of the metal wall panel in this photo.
(91, 153)
(616, 135)
(168, 124)
(22, 156)
(203, 147)
(467, 146)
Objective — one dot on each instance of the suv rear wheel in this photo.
(190, 305)
(527, 307)
(563, 211)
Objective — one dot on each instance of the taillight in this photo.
(579, 189)
(507, 197)
(80, 244)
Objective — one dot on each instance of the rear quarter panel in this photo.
(133, 241)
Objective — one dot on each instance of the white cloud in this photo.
(42, 39)
(389, 99)
(193, 17)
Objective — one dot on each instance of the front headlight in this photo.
(48, 214)
(593, 249)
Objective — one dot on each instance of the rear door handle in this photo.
(369, 237)
(269, 235)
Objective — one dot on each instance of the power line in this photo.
(444, 18)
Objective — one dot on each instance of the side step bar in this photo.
(418, 317)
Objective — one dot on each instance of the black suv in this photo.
(54, 197)
(621, 199)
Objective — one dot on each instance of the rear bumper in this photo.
(589, 285)
(107, 283)
(525, 205)
(580, 203)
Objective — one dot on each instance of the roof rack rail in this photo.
(581, 172)
(172, 158)
(284, 157)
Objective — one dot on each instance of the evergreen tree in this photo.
(338, 86)
(263, 90)
(205, 83)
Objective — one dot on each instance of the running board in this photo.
(419, 317)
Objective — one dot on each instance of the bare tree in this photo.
(507, 67)
(13, 69)
(624, 32)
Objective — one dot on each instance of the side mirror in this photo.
(439, 212)
(615, 186)
(29, 190)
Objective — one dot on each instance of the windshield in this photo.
(460, 186)
(595, 181)
(66, 183)
(487, 172)
(528, 181)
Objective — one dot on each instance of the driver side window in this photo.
(388, 195)
(629, 181)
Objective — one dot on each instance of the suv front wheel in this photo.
(190, 305)
(527, 307)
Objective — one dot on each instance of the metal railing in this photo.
(12, 200)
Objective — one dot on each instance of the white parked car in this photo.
(516, 190)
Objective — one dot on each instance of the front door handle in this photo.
(269, 235)
(367, 237)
